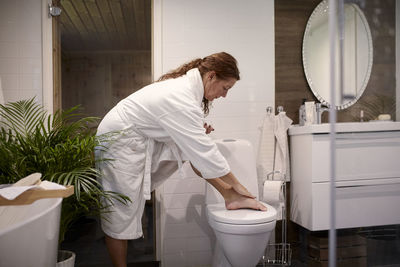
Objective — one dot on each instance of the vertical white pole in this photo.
(397, 60)
(333, 22)
(340, 59)
(157, 70)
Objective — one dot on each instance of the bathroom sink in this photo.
(346, 127)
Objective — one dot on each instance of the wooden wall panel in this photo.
(290, 83)
(291, 86)
(98, 81)
(56, 32)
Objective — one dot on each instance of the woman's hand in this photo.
(208, 128)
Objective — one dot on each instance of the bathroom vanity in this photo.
(367, 174)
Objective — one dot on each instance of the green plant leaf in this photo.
(61, 147)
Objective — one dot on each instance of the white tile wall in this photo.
(190, 29)
(21, 49)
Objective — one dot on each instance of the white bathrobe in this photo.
(161, 124)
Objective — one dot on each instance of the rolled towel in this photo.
(273, 195)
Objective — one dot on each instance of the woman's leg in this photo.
(235, 194)
(117, 248)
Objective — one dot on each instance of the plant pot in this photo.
(65, 258)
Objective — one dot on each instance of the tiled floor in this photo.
(87, 241)
(134, 264)
(382, 247)
(91, 253)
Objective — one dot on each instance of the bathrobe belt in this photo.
(147, 167)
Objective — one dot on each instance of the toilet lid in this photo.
(219, 213)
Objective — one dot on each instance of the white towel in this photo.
(265, 157)
(11, 192)
(282, 124)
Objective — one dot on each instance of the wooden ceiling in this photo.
(98, 25)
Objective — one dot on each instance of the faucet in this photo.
(319, 110)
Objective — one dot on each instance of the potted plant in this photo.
(60, 147)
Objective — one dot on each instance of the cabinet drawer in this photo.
(358, 156)
(364, 205)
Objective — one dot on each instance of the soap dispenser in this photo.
(302, 113)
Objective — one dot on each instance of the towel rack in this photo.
(279, 254)
(279, 109)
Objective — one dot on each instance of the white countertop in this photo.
(346, 127)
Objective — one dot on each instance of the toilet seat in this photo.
(219, 213)
(242, 229)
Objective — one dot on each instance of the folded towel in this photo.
(11, 192)
(282, 124)
(265, 157)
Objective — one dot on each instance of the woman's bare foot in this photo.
(242, 202)
(239, 188)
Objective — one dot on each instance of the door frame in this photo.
(47, 58)
(51, 56)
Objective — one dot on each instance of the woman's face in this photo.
(215, 87)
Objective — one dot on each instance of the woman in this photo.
(160, 124)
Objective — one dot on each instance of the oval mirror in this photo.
(357, 55)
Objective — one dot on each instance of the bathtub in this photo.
(29, 233)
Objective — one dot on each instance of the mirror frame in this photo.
(323, 7)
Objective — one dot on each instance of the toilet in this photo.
(241, 235)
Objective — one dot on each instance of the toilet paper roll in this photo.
(273, 193)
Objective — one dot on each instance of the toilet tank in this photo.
(241, 158)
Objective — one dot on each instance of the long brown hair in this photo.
(224, 65)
